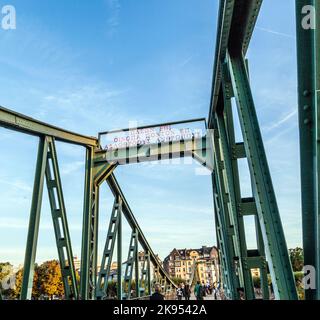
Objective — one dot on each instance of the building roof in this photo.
(185, 253)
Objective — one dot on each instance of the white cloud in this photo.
(72, 167)
(283, 120)
(277, 33)
(113, 20)
(17, 184)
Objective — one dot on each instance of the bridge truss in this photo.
(237, 19)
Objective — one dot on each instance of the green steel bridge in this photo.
(219, 151)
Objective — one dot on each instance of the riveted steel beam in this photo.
(235, 27)
(227, 226)
(112, 236)
(268, 213)
(60, 223)
(19, 122)
(88, 276)
(128, 214)
(198, 148)
(308, 47)
(34, 222)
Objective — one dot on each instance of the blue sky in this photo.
(92, 66)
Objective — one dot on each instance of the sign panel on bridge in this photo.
(162, 133)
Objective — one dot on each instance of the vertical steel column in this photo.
(102, 286)
(144, 273)
(220, 246)
(237, 221)
(226, 225)
(33, 230)
(131, 262)
(221, 239)
(263, 268)
(136, 258)
(94, 235)
(268, 213)
(231, 155)
(233, 151)
(100, 174)
(308, 94)
(316, 48)
(119, 252)
(60, 223)
(149, 274)
(85, 290)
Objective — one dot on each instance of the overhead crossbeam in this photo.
(199, 149)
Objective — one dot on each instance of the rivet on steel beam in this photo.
(306, 107)
(306, 93)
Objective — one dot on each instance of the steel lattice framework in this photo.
(237, 19)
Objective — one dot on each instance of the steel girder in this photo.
(235, 26)
(19, 122)
(89, 232)
(231, 78)
(224, 222)
(197, 148)
(268, 213)
(132, 265)
(114, 234)
(236, 23)
(127, 212)
(96, 174)
(60, 222)
(232, 152)
(47, 166)
(308, 51)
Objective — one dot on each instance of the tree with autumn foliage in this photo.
(15, 292)
(49, 279)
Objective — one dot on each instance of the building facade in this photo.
(188, 264)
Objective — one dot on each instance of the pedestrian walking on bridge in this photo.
(187, 292)
(179, 292)
(198, 291)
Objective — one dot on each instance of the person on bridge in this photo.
(187, 292)
(179, 292)
(204, 289)
(198, 292)
(157, 295)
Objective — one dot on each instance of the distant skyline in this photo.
(95, 67)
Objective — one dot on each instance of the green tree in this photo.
(296, 257)
(178, 280)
